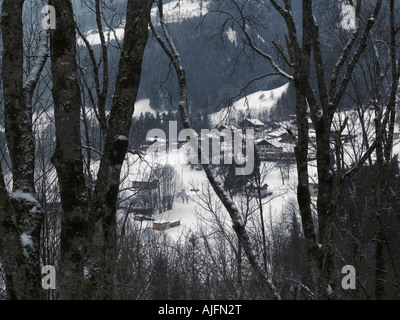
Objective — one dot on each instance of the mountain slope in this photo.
(252, 106)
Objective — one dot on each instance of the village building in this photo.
(268, 150)
(396, 132)
(263, 190)
(271, 126)
(161, 225)
(230, 127)
(251, 124)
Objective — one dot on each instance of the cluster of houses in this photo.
(273, 141)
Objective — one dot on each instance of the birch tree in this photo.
(102, 252)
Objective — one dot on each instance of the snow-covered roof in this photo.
(255, 122)
(265, 143)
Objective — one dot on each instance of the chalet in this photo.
(271, 126)
(266, 149)
(141, 218)
(175, 224)
(226, 127)
(221, 128)
(251, 124)
(165, 225)
(396, 134)
(237, 186)
(263, 190)
(145, 193)
(141, 211)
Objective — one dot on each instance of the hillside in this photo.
(256, 105)
(216, 64)
(280, 175)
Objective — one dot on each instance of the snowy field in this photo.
(282, 181)
(195, 184)
(174, 11)
(254, 105)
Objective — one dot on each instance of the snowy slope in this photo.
(252, 106)
(178, 10)
(174, 11)
(282, 181)
(143, 106)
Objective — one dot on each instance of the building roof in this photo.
(265, 143)
(273, 125)
(265, 187)
(255, 122)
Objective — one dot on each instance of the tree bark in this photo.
(102, 252)
(67, 158)
(21, 215)
(322, 109)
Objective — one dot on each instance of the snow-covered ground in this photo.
(174, 11)
(186, 211)
(282, 181)
(179, 10)
(349, 20)
(143, 106)
(253, 105)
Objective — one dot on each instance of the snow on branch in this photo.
(28, 197)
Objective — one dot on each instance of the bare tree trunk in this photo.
(67, 158)
(102, 254)
(268, 289)
(384, 157)
(322, 109)
(21, 215)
